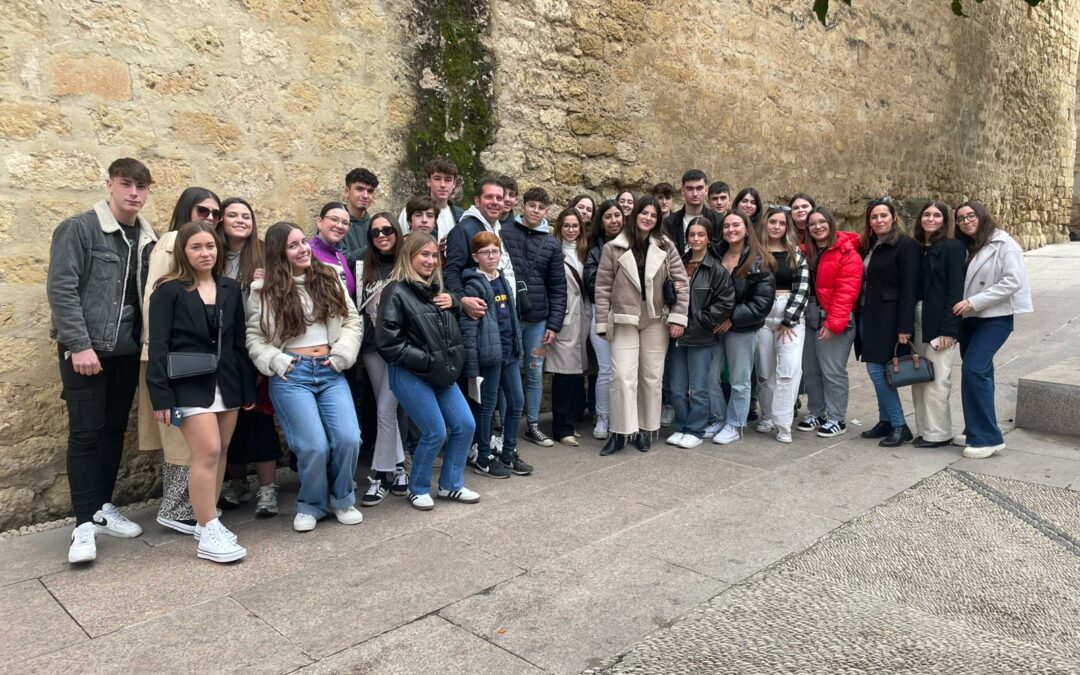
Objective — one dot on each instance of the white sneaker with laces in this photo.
(200, 530)
(689, 441)
(421, 502)
(765, 426)
(783, 435)
(728, 434)
(110, 521)
(713, 428)
(215, 544)
(972, 452)
(675, 438)
(304, 522)
(600, 431)
(349, 515)
(464, 495)
(83, 544)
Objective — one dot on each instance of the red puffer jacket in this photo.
(839, 280)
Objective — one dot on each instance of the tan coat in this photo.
(569, 355)
(618, 288)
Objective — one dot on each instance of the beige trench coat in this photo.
(569, 354)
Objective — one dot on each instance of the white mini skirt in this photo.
(217, 406)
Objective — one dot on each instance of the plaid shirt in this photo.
(800, 291)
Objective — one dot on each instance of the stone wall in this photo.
(275, 99)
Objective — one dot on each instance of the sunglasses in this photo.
(205, 212)
(381, 232)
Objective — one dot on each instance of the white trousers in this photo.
(388, 451)
(932, 414)
(603, 375)
(637, 373)
(779, 367)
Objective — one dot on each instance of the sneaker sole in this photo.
(101, 529)
(459, 500)
(265, 513)
(401, 493)
(543, 444)
(832, 434)
(84, 559)
(521, 473)
(222, 557)
(363, 503)
(480, 472)
(176, 526)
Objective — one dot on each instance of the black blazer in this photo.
(941, 285)
(888, 301)
(178, 324)
(674, 226)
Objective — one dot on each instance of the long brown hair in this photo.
(251, 255)
(752, 244)
(791, 237)
(281, 296)
(813, 252)
(986, 228)
(582, 242)
(182, 269)
(869, 237)
(371, 257)
(919, 234)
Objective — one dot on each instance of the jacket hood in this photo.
(474, 212)
(542, 227)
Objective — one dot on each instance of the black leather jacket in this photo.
(413, 333)
(712, 297)
(754, 294)
(592, 263)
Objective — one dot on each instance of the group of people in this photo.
(416, 328)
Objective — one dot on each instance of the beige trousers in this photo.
(637, 371)
(933, 417)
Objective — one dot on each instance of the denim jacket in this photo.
(87, 278)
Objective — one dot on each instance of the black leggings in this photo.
(98, 410)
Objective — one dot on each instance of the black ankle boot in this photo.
(642, 442)
(615, 443)
(879, 430)
(897, 437)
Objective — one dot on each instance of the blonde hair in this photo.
(403, 267)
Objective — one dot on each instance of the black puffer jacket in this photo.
(712, 297)
(413, 333)
(538, 261)
(754, 294)
(592, 263)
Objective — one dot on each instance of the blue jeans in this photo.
(889, 407)
(737, 350)
(501, 378)
(980, 340)
(690, 387)
(443, 417)
(316, 412)
(532, 334)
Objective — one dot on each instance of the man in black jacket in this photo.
(693, 194)
(482, 216)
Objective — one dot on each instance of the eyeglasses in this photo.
(817, 223)
(205, 212)
(334, 220)
(381, 232)
(969, 218)
(489, 253)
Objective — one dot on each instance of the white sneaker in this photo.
(200, 530)
(982, 453)
(783, 435)
(110, 521)
(959, 440)
(765, 426)
(728, 434)
(304, 522)
(83, 544)
(667, 415)
(464, 495)
(215, 544)
(713, 428)
(675, 438)
(600, 431)
(689, 441)
(349, 515)
(421, 502)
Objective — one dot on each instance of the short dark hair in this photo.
(423, 203)
(719, 188)
(442, 165)
(361, 176)
(486, 180)
(126, 167)
(536, 194)
(509, 184)
(666, 190)
(694, 174)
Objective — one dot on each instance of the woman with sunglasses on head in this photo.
(886, 312)
(388, 472)
(634, 316)
(198, 312)
(196, 204)
(780, 340)
(303, 332)
(255, 440)
(836, 271)
(937, 330)
(995, 289)
(607, 223)
(801, 205)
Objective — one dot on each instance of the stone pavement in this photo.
(822, 556)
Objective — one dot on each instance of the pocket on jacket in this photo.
(104, 265)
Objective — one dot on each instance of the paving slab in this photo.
(213, 637)
(341, 602)
(425, 645)
(1039, 443)
(1025, 466)
(725, 536)
(33, 623)
(762, 452)
(572, 612)
(32, 556)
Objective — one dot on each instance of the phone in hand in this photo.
(175, 417)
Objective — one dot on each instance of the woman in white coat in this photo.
(567, 357)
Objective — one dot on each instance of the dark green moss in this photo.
(455, 118)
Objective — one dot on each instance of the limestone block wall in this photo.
(908, 100)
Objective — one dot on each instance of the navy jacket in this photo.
(538, 261)
(459, 252)
(483, 342)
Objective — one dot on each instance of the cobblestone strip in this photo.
(1046, 527)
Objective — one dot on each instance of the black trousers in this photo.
(98, 410)
(567, 402)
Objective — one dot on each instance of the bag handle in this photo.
(915, 358)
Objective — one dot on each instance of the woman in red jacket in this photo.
(836, 272)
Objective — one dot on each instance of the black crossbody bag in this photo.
(180, 365)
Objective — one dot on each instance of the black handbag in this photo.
(180, 365)
(904, 371)
(670, 296)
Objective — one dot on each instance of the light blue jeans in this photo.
(443, 417)
(690, 387)
(737, 351)
(316, 412)
(532, 334)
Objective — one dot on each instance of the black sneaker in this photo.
(518, 466)
(400, 485)
(534, 435)
(491, 468)
(810, 422)
(752, 416)
(376, 492)
(832, 428)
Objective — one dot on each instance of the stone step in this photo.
(1049, 399)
